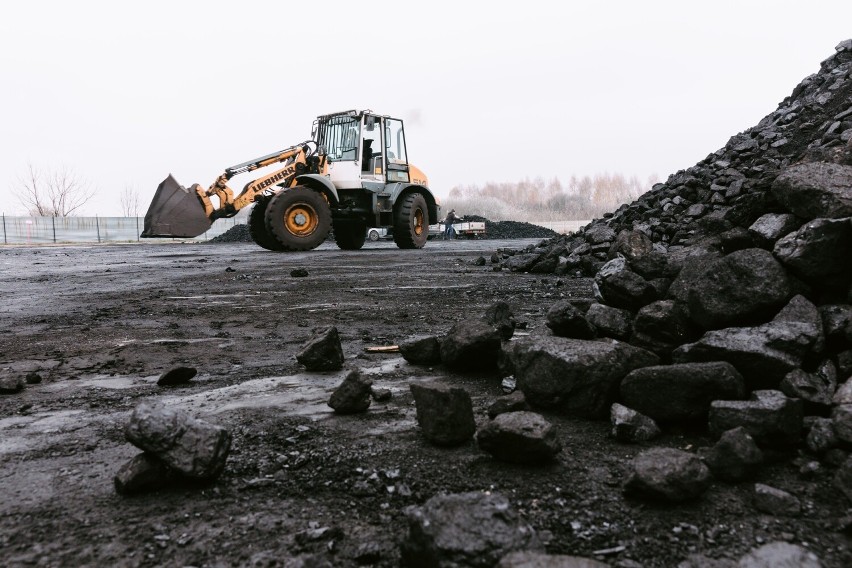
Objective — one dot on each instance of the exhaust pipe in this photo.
(175, 211)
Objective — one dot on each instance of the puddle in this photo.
(387, 366)
(302, 395)
(104, 381)
(175, 341)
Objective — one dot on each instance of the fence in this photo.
(45, 230)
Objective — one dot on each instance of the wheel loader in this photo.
(352, 175)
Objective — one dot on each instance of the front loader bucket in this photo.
(175, 212)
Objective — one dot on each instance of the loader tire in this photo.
(299, 218)
(350, 235)
(411, 222)
(257, 227)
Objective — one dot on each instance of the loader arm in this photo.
(177, 211)
(294, 159)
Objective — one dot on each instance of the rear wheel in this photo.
(257, 227)
(411, 222)
(299, 218)
(350, 235)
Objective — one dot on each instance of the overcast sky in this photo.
(490, 91)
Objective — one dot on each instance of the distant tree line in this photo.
(581, 198)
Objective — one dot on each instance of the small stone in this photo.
(775, 501)
(176, 376)
(299, 273)
(353, 394)
(509, 403)
(323, 351)
(33, 378)
(380, 395)
(631, 426)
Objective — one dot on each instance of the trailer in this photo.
(466, 229)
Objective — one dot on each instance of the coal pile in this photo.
(236, 234)
(511, 229)
(723, 300)
(719, 199)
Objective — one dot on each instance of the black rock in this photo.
(177, 376)
(323, 351)
(353, 394)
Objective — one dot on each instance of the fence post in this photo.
(98, 228)
(53, 222)
(137, 229)
(5, 242)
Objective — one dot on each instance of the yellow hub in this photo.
(301, 219)
(418, 222)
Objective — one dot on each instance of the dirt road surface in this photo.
(99, 324)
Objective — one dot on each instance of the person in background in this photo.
(449, 232)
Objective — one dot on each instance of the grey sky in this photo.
(490, 91)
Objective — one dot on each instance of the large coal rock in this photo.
(519, 437)
(763, 355)
(573, 375)
(192, 447)
(618, 286)
(819, 252)
(681, 393)
(771, 227)
(468, 529)
(661, 327)
(444, 413)
(610, 322)
(772, 419)
(565, 320)
(421, 350)
(815, 189)
(742, 288)
(471, 344)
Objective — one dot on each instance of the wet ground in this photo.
(99, 324)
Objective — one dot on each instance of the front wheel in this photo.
(411, 222)
(374, 235)
(300, 218)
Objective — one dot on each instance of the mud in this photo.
(101, 324)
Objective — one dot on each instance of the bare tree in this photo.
(53, 192)
(129, 198)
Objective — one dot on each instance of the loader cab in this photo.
(362, 148)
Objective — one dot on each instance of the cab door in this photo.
(395, 151)
(372, 159)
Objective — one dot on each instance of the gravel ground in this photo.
(99, 324)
